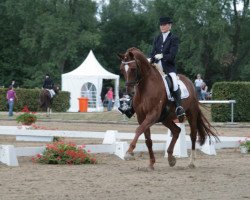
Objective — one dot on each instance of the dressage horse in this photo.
(145, 83)
(46, 100)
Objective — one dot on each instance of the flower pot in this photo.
(243, 150)
(25, 127)
(26, 124)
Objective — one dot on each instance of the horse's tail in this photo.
(205, 128)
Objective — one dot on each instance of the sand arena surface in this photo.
(224, 176)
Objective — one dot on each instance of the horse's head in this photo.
(130, 69)
(56, 89)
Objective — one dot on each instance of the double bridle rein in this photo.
(137, 77)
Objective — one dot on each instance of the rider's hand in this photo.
(159, 56)
(151, 60)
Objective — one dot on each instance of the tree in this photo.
(123, 25)
(46, 37)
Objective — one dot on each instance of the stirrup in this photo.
(121, 111)
(129, 112)
(180, 111)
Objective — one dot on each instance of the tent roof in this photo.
(91, 68)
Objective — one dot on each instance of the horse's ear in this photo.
(120, 56)
(131, 55)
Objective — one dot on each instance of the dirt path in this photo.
(224, 176)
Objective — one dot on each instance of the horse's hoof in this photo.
(151, 167)
(129, 156)
(145, 169)
(171, 161)
(191, 166)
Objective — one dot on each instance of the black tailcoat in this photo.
(168, 48)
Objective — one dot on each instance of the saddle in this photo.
(51, 93)
(169, 84)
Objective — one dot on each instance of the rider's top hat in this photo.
(165, 20)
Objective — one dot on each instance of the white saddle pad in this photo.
(183, 88)
(51, 92)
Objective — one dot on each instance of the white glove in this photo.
(159, 56)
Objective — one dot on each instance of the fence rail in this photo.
(232, 102)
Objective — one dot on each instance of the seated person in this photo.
(204, 91)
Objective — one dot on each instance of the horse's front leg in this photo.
(141, 129)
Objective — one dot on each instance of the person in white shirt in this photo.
(198, 83)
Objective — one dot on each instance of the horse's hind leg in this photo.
(192, 120)
(48, 112)
(149, 144)
(175, 131)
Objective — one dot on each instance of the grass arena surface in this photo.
(224, 176)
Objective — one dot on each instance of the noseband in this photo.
(137, 77)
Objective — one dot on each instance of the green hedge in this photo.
(239, 91)
(30, 97)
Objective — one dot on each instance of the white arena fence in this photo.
(232, 102)
(113, 142)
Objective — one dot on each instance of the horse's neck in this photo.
(145, 70)
(149, 72)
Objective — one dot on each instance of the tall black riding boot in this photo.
(180, 112)
(127, 108)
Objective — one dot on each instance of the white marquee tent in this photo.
(86, 81)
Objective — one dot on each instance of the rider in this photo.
(165, 47)
(48, 84)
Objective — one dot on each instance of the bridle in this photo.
(137, 77)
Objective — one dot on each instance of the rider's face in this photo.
(165, 27)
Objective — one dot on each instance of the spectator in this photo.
(198, 83)
(11, 97)
(204, 91)
(110, 98)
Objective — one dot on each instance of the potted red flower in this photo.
(60, 152)
(27, 117)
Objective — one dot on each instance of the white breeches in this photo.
(173, 76)
(174, 79)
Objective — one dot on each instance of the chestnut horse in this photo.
(46, 100)
(145, 84)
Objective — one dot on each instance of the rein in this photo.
(137, 77)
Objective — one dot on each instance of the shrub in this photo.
(239, 91)
(30, 97)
